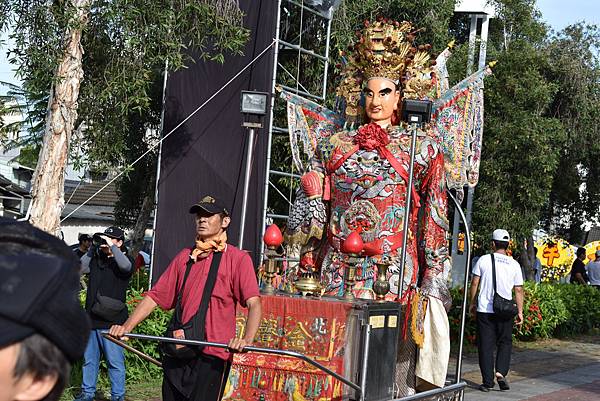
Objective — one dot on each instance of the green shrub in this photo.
(543, 311)
(154, 325)
(583, 308)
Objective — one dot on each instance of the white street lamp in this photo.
(251, 104)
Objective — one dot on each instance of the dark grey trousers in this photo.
(494, 336)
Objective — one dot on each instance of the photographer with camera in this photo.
(109, 270)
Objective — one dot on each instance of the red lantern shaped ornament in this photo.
(273, 240)
(273, 237)
(353, 244)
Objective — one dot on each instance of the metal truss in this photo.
(301, 61)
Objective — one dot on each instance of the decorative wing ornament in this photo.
(458, 124)
(308, 123)
(441, 70)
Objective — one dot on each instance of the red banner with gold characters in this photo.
(315, 328)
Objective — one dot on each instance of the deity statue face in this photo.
(381, 100)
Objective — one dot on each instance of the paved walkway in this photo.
(552, 370)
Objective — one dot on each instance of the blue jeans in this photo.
(115, 359)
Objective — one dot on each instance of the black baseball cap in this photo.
(209, 204)
(39, 290)
(84, 237)
(113, 232)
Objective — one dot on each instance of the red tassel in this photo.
(407, 316)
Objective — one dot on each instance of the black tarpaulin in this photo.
(207, 154)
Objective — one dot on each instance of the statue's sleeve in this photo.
(434, 229)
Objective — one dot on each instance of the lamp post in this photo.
(415, 113)
(252, 104)
(477, 10)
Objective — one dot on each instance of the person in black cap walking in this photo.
(109, 270)
(203, 284)
(43, 328)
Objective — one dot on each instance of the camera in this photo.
(98, 241)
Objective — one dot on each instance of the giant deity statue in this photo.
(355, 179)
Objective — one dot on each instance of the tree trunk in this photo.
(48, 184)
(528, 259)
(137, 240)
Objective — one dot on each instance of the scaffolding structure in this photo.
(301, 61)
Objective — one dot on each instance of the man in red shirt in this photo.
(201, 378)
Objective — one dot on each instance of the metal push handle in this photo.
(292, 354)
(466, 285)
(130, 348)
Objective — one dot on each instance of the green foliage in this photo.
(522, 142)
(539, 158)
(520, 151)
(583, 306)
(126, 45)
(433, 15)
(575, 69)
(154, 325)
(454, 316)
(28, 155)
(139, 181)
(543, 311)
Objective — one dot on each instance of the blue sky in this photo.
(558, 13)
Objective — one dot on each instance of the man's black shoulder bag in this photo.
(503, 308)
(195, 329)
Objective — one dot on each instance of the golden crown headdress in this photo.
(385, 49)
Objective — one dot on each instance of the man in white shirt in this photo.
(494, 332)
(593, 271)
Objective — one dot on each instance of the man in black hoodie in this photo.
(109, 270)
